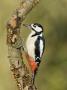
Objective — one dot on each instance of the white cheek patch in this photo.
(37, 29)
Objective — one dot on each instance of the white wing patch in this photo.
(41, 48)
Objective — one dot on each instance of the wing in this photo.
(39, 48)
(42, 45)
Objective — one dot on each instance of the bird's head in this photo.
(37, 28)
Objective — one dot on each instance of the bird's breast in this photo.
(30, 44)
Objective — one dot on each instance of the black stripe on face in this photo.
(36, 33)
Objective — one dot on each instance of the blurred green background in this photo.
(52, 14)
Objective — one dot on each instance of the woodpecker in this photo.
(35, 45)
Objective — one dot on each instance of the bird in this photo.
(35, 45)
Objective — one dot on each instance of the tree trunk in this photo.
(16, 50)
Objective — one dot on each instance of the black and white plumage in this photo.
(35, 42)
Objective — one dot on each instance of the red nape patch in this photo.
(32, 64)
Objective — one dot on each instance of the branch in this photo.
(16, 51)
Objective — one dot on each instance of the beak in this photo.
(26, 25)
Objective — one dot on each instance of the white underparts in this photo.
(30, 45)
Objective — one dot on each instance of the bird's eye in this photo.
(34, 26)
